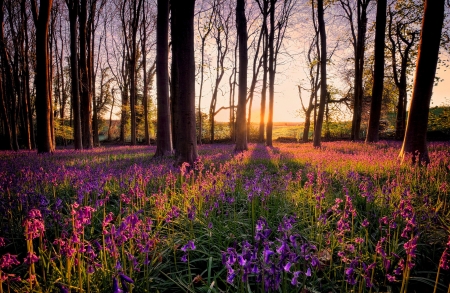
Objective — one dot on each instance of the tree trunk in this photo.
(144, 74)
(163, 127)
(378, 75)
(75, 80)
(5, 121)
(241, 126)
(359, 67)
(43, 102)
(9, 87)
(414, 142)
(183, 80)
(86, 95)
(27, 77)
(265, 69)
(256, 67)
(269, 127)
(323, 75)
(305, 136)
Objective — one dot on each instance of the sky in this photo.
(291, 73)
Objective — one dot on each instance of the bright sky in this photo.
(287, 102)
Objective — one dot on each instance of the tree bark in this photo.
(378, 75)
(241, 126)
(75, 80)
(183, 80)
(163, 127)
(8, 86)
(265, 70)
(323, 75)
(414, 143)
(269, 127)
(86, 94)
(359, 67)
(43, 102)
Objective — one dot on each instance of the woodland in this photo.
(115, 176)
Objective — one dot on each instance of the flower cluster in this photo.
(272, 257)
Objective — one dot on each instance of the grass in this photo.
(344, 218)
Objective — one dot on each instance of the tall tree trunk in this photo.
(323, 75)
(163, 126)
(269, 127)
(86, 95)
(359, 67)
(43, 102)
(144, 73)
(26, 77)
(75, 80)
(415, 143)
(378, 75)
(132, 66)
(257, 63)
(5, 120)
(183, 80)
(265, 71)
(9, 87)
(241, 126)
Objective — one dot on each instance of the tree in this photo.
(358, 41)
(323, 74)
(241, 126)
(265, 31)
(204, 31)
(276, 36)
(183, 80)
(313, 62)
(414, 143)
(43, 101)
(403, 35)
(221, 24)
(85, 88)
(130, 22)
(163, 128)
(9, 87)
(72, 5)
(378, 75)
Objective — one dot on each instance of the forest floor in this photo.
(290, 218)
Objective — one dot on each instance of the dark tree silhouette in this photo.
(241, 126)
(378, 75)
(43, 102)
(183, 80)
(75, 80)
(414, 142)
(323, 74)
(85, 89)
(163, 128)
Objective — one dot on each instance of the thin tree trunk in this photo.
(323, 75)
(265, 71)
(75, 81)
(144, 74)
(269, 127)
(163, 127)
(359, 67)
(4, 116)
(241, 126)
(27, 78)
(378, 75)
(415, 143)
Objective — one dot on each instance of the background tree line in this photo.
(69, 66)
